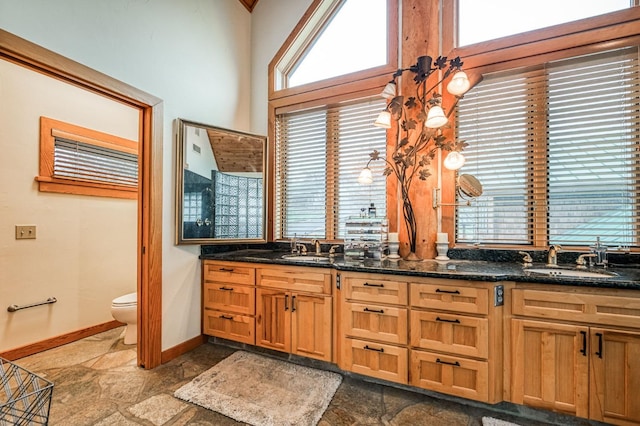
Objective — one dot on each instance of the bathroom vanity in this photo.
(485, 331)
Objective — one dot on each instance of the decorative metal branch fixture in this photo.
(420, 120)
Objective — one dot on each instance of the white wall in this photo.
(207, 60)
(84, 253)
(271, 22)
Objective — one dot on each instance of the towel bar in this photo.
(13, 308)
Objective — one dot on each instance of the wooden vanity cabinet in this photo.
(294, 310)
(577, 351)
(455, 338)
(374, 326)
(228, 299)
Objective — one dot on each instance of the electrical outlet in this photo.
(498, 295)
(25, 232)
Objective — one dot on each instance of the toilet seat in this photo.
(130, 299)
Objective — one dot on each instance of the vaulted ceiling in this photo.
(249, 4)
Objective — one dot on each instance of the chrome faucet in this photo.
(552, 256)
(581, 263)
(316, 243)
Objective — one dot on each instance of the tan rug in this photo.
(490, 421)
(262, 391)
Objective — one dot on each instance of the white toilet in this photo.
(125, 309)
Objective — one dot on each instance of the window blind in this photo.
(80, 161)
(320, 154)
(593, 149)
(556, 150)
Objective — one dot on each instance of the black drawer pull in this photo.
(376, 311)
(448, 291)
(455, 321)
(293, 303)
(286, 302)
(583, 351)
(226, 288)
(373, 285)
(226, 317)
(367, 347)
(599, 353)
(226, 269)
(455, 364)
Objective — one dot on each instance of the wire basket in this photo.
(25, 398)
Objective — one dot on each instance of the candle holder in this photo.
(393, 250)
(442, 249)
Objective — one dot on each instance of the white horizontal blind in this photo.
(593, 149)
(557, 153)
(356, 137)
(495, 120)
(81, 161)
(319, 155)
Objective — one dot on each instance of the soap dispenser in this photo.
(372, 210)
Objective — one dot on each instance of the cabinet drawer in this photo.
(591, 308)
(228, 272)
(231, 298)
(297, 278)
(451, 375)
(385, 362)
(240, 328)
(458, 334)
(372, 289)
(470, 300)
(384, 323)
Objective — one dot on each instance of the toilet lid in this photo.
(127, 299)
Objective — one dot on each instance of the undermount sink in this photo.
(306, 258)
(573, 273)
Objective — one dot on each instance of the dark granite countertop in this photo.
(621, 276)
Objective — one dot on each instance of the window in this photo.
(76, 160)
(323, 119)
(479, 21)
(320, 155)
(567, 137)
(354, 39)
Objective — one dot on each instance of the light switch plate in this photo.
(25, 232)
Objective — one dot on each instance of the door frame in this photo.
(149, 251)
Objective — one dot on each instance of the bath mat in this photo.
(490, 421)
(263, 391)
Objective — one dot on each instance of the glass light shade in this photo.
(435, 118)
(365, 178)
(389, 91)
(459, 84)
(383, 120)
(454, 160)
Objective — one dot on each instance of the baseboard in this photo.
(182, 348)
(60, 340)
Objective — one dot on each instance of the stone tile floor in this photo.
(97, 382)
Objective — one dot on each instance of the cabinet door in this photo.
(458, 334)
(384, 323)
(273, 319)
(615, 376)
(387, 362)
(452, 375)
(550, 366)
(311, 326)
(230, 298)
(373, 288)
(229, 273)
(240, 328)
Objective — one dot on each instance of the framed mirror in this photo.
(220, 185)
